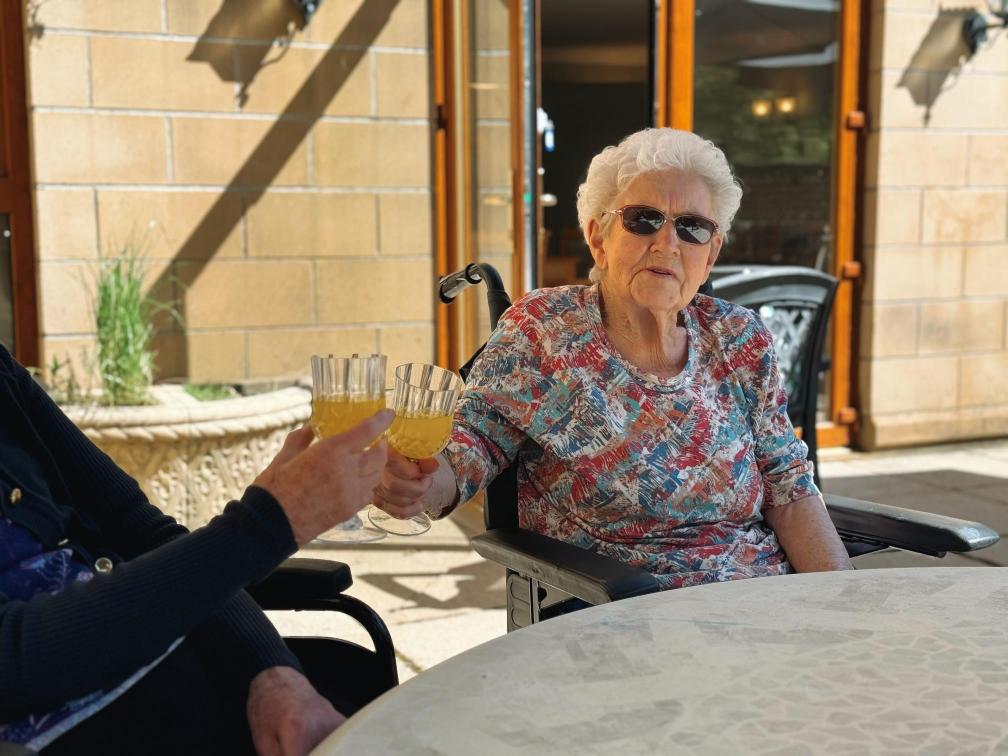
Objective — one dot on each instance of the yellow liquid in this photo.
(419, 436)
(331, 417)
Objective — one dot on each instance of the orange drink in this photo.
(334, 415)
(419, 435)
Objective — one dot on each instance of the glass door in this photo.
(774, 84)
(765, 92)
(596, 87)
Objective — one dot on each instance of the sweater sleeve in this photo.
(93, 635)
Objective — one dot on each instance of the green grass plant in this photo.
(124, 313)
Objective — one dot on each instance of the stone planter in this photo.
(192, 457)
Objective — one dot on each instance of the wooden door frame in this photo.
(674, 107)
(674, 41)
(452, 173)
(445, 157)
(16, 181)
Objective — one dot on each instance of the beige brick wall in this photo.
(283, 185)
(933, 364)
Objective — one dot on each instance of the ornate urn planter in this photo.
(192, 457)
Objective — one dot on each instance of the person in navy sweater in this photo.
(118, 627)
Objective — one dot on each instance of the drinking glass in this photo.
(424, 402)
(346, 391)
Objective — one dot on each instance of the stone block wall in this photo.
(934, 309)
(279, 173)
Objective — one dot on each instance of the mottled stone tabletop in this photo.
(872, 661)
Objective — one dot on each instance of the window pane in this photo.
(765, 92)
(6, 300)
(489, 128)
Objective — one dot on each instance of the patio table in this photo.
(908, 660)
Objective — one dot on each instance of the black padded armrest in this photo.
(300, 578)
(591, 577)
(907, 529)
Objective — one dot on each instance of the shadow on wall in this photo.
(286, 133)
(938, 60)
(275, 25)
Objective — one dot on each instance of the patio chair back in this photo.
(795, 304)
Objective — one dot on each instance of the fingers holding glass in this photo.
(424, 402)
(346, 391)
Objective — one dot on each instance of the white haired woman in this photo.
(648, 422)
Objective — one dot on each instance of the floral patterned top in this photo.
(669, 474)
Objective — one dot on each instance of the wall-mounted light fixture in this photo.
(761, 108)
(307, 8)
(975, 24)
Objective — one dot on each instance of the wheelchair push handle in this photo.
(450, 286)
(453, 284)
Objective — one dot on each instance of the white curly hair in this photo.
(651, 151)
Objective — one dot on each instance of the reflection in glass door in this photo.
(6, 287)
(486, 149)
(765, 92)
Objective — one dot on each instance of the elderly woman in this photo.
(648, 422)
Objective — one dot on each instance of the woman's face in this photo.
(659, 272)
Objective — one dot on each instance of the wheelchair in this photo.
(546, 577)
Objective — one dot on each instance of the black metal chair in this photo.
(795, 304)
(348, 674)
(543, 574)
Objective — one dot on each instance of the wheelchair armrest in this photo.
(589, 576)
(301, 579)
(907, 529)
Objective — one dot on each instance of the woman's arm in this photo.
(806, 533)
(93, 635)
(503, 395)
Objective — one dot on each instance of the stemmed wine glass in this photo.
(345, 392)
(424, 402)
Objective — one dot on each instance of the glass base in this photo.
(416, 525)
(351, 531)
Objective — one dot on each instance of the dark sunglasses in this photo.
(644, 221)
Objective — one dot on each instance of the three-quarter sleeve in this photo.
(499, 405)
(781, 456)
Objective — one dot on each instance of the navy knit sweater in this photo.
(166, 582)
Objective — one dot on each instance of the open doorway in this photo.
(596, 73)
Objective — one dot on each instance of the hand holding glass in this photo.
(346, 391)
(424, 403)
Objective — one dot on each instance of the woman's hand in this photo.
(404, 483)
(320, 485)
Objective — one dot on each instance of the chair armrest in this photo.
(907, 529)
(300, 578)
(15, 749)
(591, 577)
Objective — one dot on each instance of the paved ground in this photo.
(439, 598)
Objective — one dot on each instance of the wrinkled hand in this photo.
(286, 716)
(403, 484)
(320, 485)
